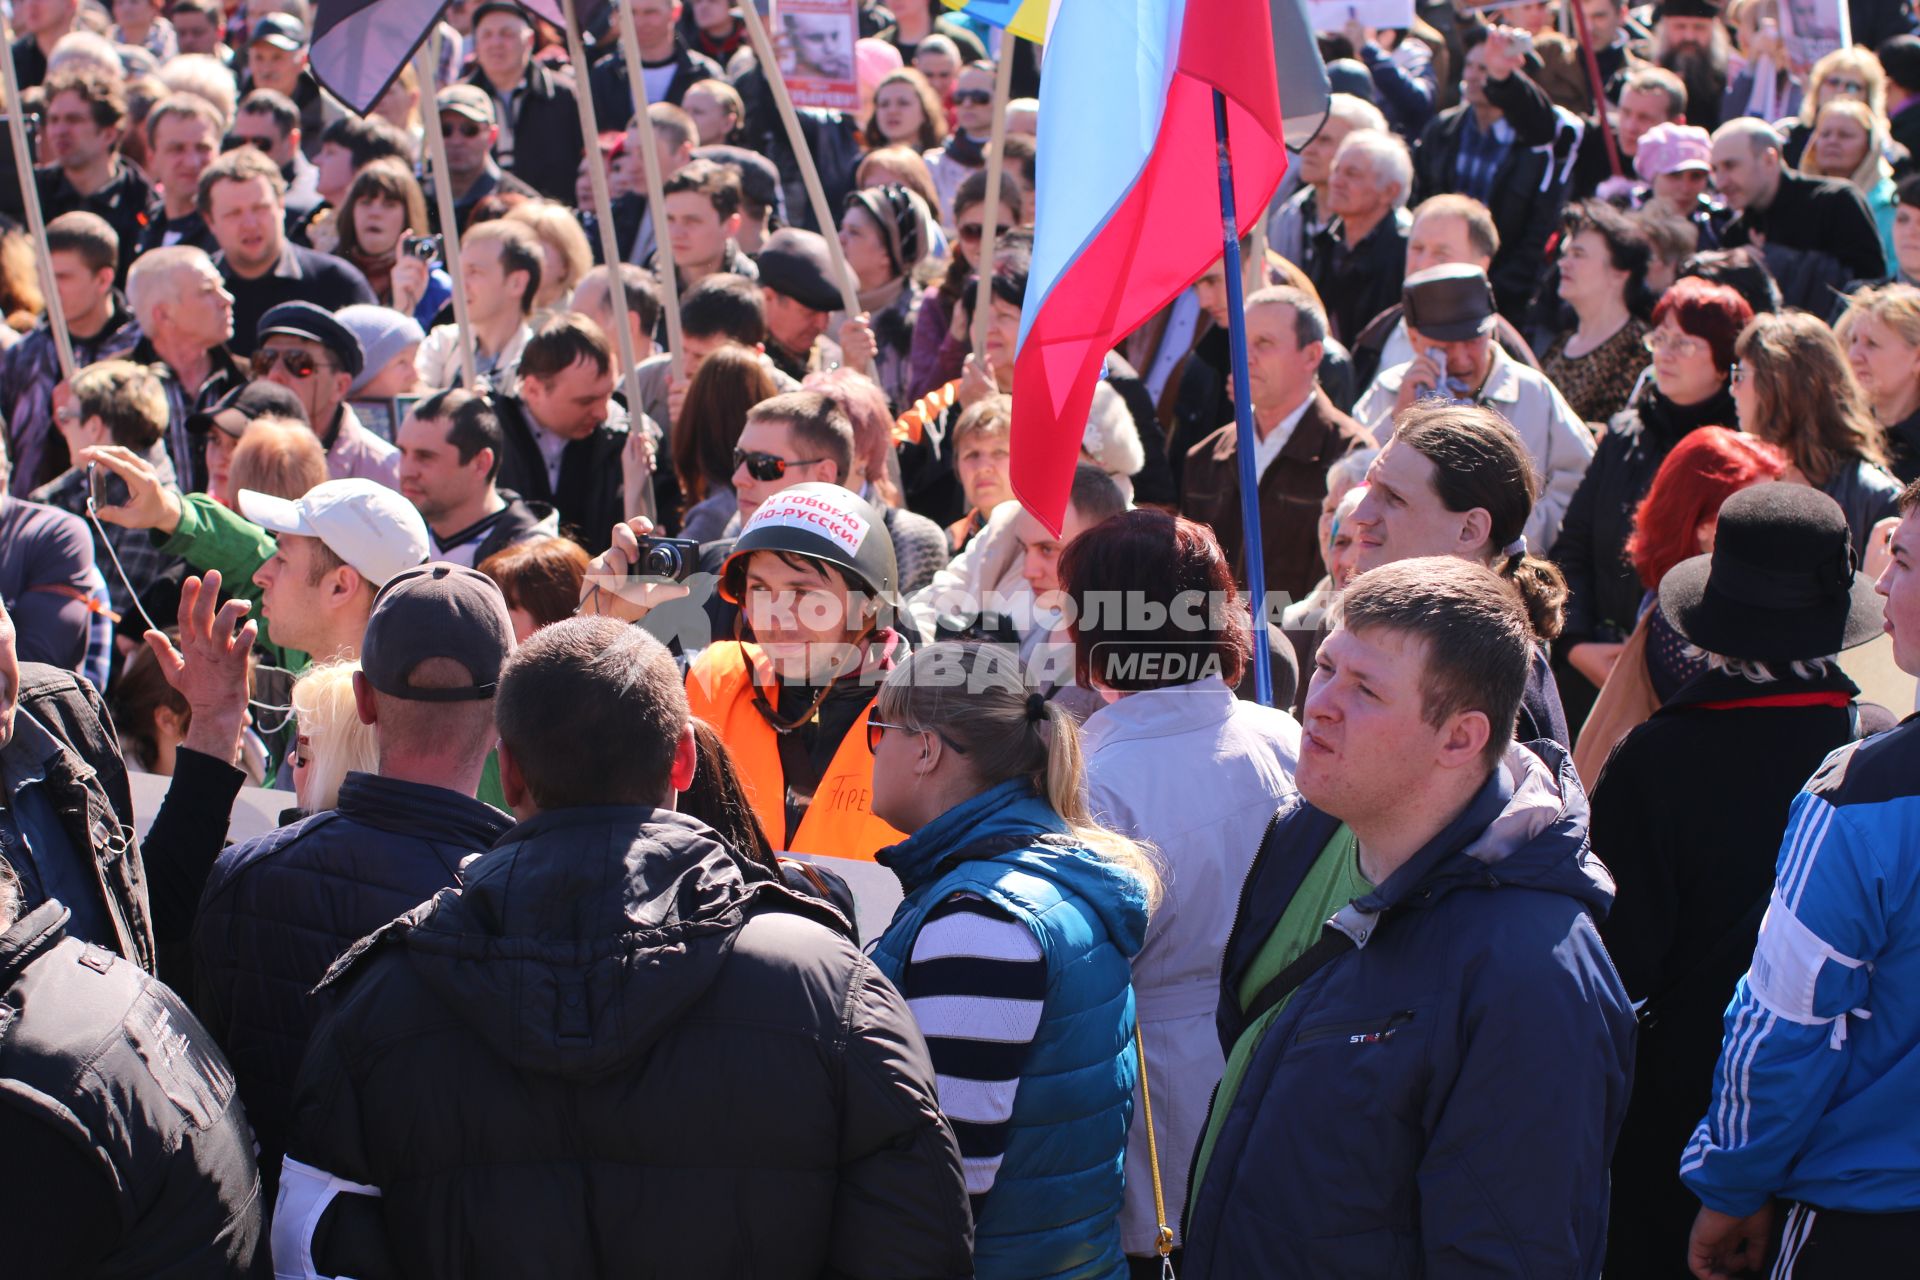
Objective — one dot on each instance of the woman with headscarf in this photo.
(885, 232)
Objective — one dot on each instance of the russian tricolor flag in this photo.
(1128, 209)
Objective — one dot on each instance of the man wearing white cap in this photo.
(335, 548)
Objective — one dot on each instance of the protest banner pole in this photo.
(1243, 412)
(802, 154)
(609, 238)
(423, 60)
(990, 225)
(1599, 88)
(30, 197)
(656, 199)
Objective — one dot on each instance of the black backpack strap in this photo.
(1332, 943)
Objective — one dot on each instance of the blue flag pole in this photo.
(1243, 412)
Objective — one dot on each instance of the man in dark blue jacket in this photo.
(280, 908)
(1428, 1051)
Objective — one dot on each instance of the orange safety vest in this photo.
(840, 822)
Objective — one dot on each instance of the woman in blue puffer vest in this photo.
(1013, 948)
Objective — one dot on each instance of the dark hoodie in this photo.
(1444, 1098)
(612, 1051)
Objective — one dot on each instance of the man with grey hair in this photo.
(1293, 224)
(1357, 260)
(1813, 232)
(186, 321)
(1300, 434)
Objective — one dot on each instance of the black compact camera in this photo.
(426, 248)
(675, 558)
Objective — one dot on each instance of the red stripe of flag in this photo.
(1164, 234)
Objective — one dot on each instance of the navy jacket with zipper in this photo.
(1442, 1100)
(281, 908)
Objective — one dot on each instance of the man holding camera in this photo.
(500, 262)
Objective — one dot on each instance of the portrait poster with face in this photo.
(1812, 29)
(814, 41)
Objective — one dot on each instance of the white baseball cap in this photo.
(363, 522)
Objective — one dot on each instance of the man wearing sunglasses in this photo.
(243, 199)
(469, 125)
(306, 350)
(963, 153)
(268, 122)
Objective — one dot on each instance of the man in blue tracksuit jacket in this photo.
(1813, 1098)
(1440, 1097)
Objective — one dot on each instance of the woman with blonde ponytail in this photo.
(1013, 947)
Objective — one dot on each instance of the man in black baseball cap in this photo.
(303, 348)
(797, 281)
(217, 429)
(280, 908)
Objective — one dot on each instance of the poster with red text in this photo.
(814, 40)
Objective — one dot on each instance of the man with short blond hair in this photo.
(501, 262)
(1429, 893)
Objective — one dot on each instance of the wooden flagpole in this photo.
(609, 238)
(996, 165)
(30, 197)
(656, 199)
(423, 70)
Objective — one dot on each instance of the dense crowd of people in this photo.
(1546, 923)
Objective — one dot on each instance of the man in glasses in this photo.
(243, 198)
(268, 121)
(539, 124)
(963, 152)
(1814, 232)
(310, 353)
(468, 124)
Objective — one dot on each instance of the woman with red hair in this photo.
(1674, 522)
(1695, 325)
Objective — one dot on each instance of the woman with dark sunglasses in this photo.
(941, 339)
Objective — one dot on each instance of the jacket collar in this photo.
(1723, 686)
(1159, 713)
(1012, 806)
(416, 809)
(30, 937)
